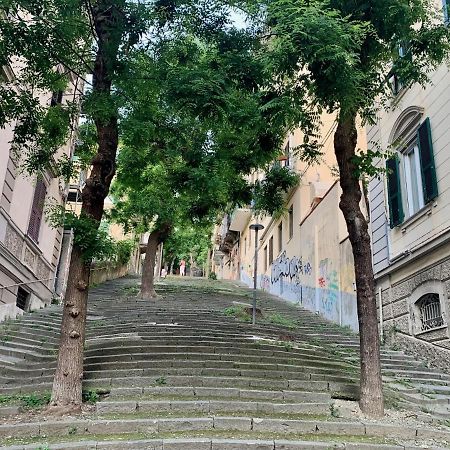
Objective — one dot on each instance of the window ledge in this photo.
(422, 333)
(399, 95)
(33, 244)
(425, 211)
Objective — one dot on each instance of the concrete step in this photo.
(246, 424)
(177, 407)
(212, 444)
(176, 392)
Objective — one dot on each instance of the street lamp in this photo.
(257, 227)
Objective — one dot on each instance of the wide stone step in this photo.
(276, 351)
(174, 407)
(417, 374)
(176, 392)
(29, 355)
(282, 358)
(247, 424)
(215, 444)
(218, 373)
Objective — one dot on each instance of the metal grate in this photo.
(22, 298)
(430, 312)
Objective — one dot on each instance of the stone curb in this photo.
(215, 444)
(248, 424)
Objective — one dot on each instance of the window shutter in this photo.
(429, 180)
(37, 210)
(396, 213)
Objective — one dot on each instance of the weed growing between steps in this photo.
(27, 401)
(36, 401)
(243, 314)
(278, 319)
(238, 312)
(208, 434)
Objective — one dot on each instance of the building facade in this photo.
(29, 247)
(410, 219)
(305, 256)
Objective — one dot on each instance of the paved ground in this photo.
(188, 371)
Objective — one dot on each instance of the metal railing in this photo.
(24, 283)
(430, 313)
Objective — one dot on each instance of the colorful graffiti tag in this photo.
(329, 283)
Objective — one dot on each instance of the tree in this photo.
(202, 124)
(51, 40)
(338, 56)
(188, 241)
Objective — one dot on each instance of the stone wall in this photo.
(401, 316)
(102, 272)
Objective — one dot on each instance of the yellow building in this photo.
(305, 256)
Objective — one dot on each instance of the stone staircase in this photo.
(178, 373)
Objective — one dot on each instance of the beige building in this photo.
(29, 246)
(410, 218)
(305, 256)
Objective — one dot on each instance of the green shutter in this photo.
(396, 213)
(429, 180)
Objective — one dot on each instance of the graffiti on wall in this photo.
(328, 281)
(289, 267)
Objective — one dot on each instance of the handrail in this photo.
(27, 282)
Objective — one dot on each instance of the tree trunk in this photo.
(156, 237)
(148, 268)
(345, 141)
(67, 384)
(171, 266)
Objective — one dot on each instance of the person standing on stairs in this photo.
(182, 268)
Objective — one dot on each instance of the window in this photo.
(446, 8)
(395, 81)
(287, 155)
(280, 237)
(22, 298)
(37, 210)
(270, 250)
(57, 98)
(291, 221)
(430, 312)
(265, 258)
(411, 177)
(413, 180)
(245, 246)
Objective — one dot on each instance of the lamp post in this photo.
(257, 227)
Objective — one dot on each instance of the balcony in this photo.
(240, 219)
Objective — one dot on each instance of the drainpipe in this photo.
(380, 302)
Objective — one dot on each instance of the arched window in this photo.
(429, 308)
(411, 178)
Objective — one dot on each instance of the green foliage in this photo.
(86, 145)
(161, 381)
(30, 401)
(238, 312)
(42, 37)
(212, 276)
(338, 57)
(278, 319)
(269, 194)
(94, 241)
(91, 396)
(123, 251)
(189, 240)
